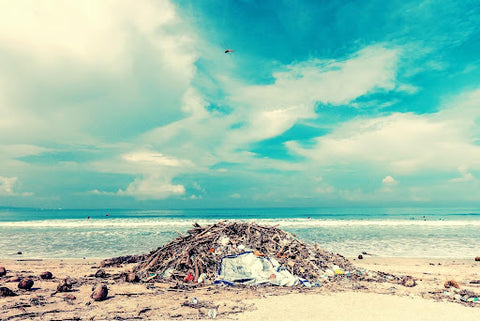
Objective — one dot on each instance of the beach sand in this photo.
(345, 300)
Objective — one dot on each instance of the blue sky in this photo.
(134, 104)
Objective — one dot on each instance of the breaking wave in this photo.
(166, 223)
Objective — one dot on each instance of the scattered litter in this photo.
(189, 278)
(203, 278)
(150, 277)
(212, 313)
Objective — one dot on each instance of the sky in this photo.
(134, 104)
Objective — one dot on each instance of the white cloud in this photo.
(10, 152)
(8, 187)
(98, 192)
(408, 88)
(296, 90)
(327, 189)
(388, 185)
(92, 74)
(89, 32)
(7, 184)
(329, 82)
(194, 104)
(156, 170)
(154, 158)
(389, 180)
(465, 176)
(152, 187)
(265, 111)
(418, 148)
(405, 143)
(65, 61)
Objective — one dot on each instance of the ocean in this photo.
(384, 232)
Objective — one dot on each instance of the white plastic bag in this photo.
(248, 268)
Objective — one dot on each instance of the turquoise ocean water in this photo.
(387, 232)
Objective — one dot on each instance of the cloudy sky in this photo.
(134, 104)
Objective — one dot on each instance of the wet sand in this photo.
(344, 300)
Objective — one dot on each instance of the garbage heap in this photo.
(198, 254)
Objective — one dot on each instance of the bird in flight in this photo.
(229, 50)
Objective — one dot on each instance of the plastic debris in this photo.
(249, 268)
(224, 240)
(167, 273)
(202, 278)
(337, 270)
(189, 278)
(212, 313)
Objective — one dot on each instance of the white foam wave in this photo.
(186, 223)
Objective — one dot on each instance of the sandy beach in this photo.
(345, 300)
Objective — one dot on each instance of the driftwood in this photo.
(200, 252)
(35, 315)
(117, 261)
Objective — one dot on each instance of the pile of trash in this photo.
(240, 252)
